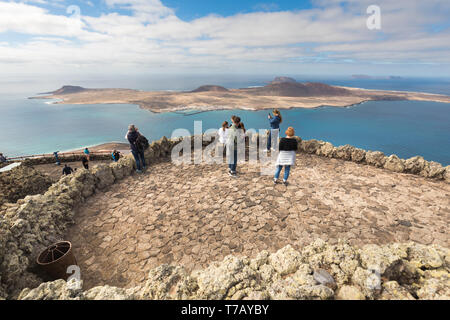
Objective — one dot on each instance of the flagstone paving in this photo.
(192, 215)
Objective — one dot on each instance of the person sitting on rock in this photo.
(85, 163)
(286, 157)
(67, 170)
(2, 158)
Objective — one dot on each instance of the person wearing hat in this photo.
(286, 156)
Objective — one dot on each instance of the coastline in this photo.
(176, 101)
(102, 147)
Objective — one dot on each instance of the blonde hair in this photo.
(290, 132)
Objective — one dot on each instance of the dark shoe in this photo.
(275, 181)
(285, 183)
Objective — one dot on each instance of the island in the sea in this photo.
(282, 93)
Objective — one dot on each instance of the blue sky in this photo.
(192, 9)
(249, 36)
(189, 10)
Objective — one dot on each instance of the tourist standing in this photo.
(286, 157)
(58, 162)
(87, 153)
(67, 170)
(275, 122)
(235, 134)
(136, 148)
(85, 163)
(2, 158)
(223, 133)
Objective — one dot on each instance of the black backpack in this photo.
(142, 143)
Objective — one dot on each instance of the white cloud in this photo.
(153, 36)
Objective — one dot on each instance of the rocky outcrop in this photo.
(320, 271)
(433, 170)
(394, 163)
(358, 155)
(66, 158)
(344, 152)
(416, 165)
(375, 158)
(35, 222)
(326, 150)
(104, 176)
(446, 174)
(20, 182)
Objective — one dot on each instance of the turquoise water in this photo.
(406, 128)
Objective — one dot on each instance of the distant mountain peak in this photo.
(283, 80)
(67, 89)
(209, 88)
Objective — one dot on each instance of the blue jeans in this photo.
(233, 163)
(287, 170)
(139, 158)
(269, 139)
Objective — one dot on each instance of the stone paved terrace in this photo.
(191, 215)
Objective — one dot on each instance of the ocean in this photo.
(406, 128)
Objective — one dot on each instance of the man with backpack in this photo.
(138, 145)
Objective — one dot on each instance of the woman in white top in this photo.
(223, 133)
(286, 157)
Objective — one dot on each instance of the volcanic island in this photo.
(281, 93)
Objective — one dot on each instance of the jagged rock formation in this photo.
(20, 182)
(319, 271)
